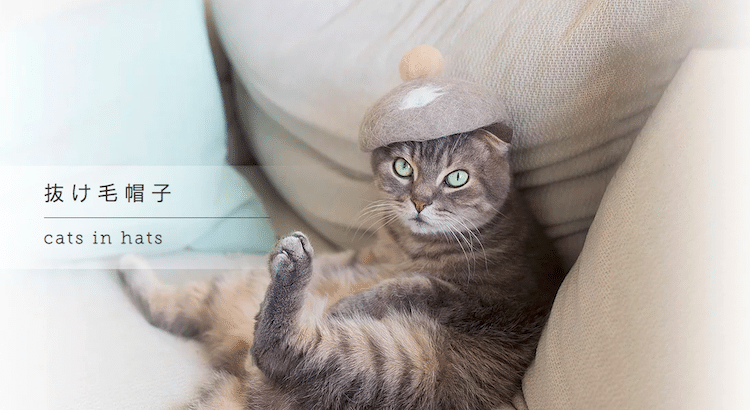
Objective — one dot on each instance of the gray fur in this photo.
(443, 313)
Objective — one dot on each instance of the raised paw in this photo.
(292, 257)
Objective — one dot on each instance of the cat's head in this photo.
(456, 183)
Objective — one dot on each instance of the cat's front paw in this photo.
(292, 258)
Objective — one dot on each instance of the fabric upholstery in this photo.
(579, 79)
(645, 317)
(73, 340)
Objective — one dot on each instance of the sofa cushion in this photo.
(648, 316)
(79, 342)
(579, 79)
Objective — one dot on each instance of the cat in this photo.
(444, 311)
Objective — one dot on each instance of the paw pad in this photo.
(293, 253)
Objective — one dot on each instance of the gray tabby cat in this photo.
(443, 312)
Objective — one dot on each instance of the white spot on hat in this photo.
(420, 97)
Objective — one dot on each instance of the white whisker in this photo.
(463, 222)
(458, 241)
(379, 210)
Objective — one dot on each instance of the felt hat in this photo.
(426, 106)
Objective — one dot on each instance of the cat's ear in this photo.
(500, 130)
(498, 136)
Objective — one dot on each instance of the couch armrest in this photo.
(648, 316)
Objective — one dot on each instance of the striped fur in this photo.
(443, 312)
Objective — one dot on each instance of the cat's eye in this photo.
(457, 178)
(402, 168)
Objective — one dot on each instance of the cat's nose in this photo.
(419, 205)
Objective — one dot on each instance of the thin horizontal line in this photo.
(156, 217)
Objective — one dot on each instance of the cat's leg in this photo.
(177, 310)
(224, 391)
(219, 311)
(252, 391)
(291, 269)
(342, 361)
(411, 342)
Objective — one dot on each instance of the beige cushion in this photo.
(653, 314)
(579, 78)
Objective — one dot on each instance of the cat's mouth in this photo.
(419, 225)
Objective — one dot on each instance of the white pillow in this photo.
(579, 78)
(117, 92)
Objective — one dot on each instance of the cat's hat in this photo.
(426, 106)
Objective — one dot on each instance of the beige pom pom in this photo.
(421, 61)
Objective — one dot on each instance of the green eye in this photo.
(457, 178)
(402, 168)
